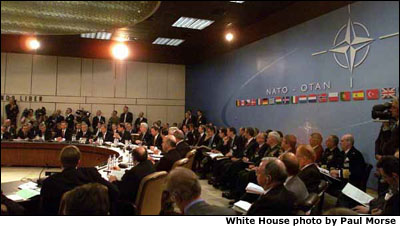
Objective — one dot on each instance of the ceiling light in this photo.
(33, 44)
(239, 2)
(192, 23)
(98, 35)
(120, 51)
(229, 37)
(168, 41)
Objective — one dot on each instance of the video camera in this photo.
(81, 115)
(382, 111)
(40, 112)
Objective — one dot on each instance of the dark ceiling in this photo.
(249, 21)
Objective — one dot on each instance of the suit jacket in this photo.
(201, 121)
(125, 136)
(138, 121)
(200, 140)
(236, 147)
(299, 189)
(67, 136)
(183, 148)
(130, 181)
(108, 137)
(56, 185)
(250, 148)
(212, 142)
(96, 121)
(87, 135)
(318, 150)
(129, 117)
(224, 149)
(354, 161)
(311, 178)
(187, 121)
(47, 134)
(22, 135)
(157, 142)
(258, 154)
(390, 147)
(166, 162)
(146, 138)
(7, 136)
(189, 138)
(276, 202)
(70, 120)
(273, 152)
(391, 206)
(203, 208)
(332, 158)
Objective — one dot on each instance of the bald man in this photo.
(171, 155)
(309, 172)
(293, 183)
(277, 200)
(316, 144)
(130, 181)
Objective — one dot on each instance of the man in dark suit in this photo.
(105, 134)
(44, 133)
(12, 111)
(140, 120)
(122, 135)
(69, 118)
(64, 132)
(98, 119)
(189, 137)
(4, 134)
(309, 172)
(144, 137)
(332, 156)
(201, 135)
(201, 120)
(156, 138)
(84, 133)
(277, 200)
(25, 132)
(274, 145)
(130, 181)
(171, 155)
(187, 120)
(181, 146)
(126, 116)
(316, 144)
(183, 185)
(9, 128)
(56, 185)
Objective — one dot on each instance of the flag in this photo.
(333, 97)
(237, 103)
(388, 93)
(345, 96)
(286, 100)
(358, 95)
(271, 101)
(253, 102)
(242, 103)
(312, 98)
(278, 100)
(323, 97)
(259, 101)
(248, 102)
(372, 94)
(303, 99)
(265, 101)
(294, 99)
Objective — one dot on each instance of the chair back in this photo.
(190, 155)
(181, 163)
(309, 203)
(368, 169)
(149, 194)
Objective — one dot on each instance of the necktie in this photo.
(125, 118)
(63, 133)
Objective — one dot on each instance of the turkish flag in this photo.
(373, 94)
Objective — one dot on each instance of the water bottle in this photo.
(73, 138)
(100, 141)
(109, 163)
(114, 161)
(116, 141)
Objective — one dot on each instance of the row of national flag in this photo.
(358, 95)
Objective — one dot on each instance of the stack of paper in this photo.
(326, 173)
(241, 206)
(29, 186)
(254, 189)
(117, 173)
(214, 155)
(356, 194)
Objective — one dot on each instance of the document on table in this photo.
(357, 194)
(214, 155)
(254, 189)
(15, 197)
(117, 173)
(27, 193)
(29, 185)
(241, 206)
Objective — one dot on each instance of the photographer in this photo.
(12, 111)
(83, 116)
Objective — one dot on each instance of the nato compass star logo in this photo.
(349, 42)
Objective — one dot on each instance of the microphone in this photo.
(40, 180)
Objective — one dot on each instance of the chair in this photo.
(368, 169)
(149, 194)
(309, 203)
(190, 155)
(181, 163)
(322, 187)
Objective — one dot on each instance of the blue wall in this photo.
(285, 59)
